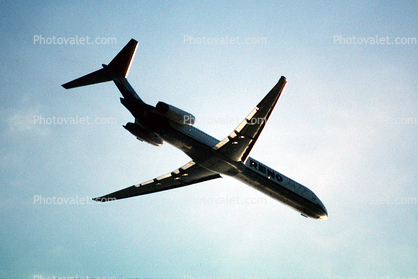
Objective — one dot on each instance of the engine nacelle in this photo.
(176, 114)
(142, 134)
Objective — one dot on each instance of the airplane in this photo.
(210, 157)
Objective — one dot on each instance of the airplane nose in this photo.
(324, 216)
(324, 213)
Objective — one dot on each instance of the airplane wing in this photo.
(188, 174)
(239, 143)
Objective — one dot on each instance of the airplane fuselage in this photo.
(210, 157)
(199, 146)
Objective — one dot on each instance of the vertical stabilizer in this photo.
(121, 64)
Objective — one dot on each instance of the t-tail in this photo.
(117, 70)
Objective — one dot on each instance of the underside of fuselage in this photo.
(210, 157)
(202, 153)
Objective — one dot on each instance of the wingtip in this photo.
(104, 199)
(100, 199)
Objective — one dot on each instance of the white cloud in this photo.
(22, 121)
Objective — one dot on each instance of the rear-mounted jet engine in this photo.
(176, 114)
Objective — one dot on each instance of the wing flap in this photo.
(188, 174)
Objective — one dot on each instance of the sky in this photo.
(345, 126)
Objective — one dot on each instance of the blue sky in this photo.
(345, 126)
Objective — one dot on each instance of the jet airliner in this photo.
(209, 157)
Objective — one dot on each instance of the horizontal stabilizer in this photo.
(96, 77)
